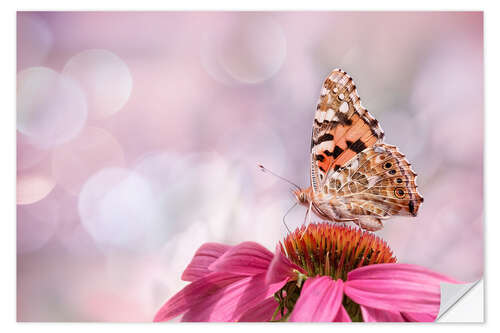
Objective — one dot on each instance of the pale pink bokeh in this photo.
(75, 161)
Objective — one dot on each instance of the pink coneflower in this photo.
(324, 272)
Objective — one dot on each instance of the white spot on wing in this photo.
(325, 145)
(344, 107)
(342, 178)
(341, 97)
(354, 164)
(321, 116)
(329, 115)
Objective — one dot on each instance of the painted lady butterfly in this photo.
(354, 175)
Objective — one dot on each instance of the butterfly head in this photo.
(303, 196)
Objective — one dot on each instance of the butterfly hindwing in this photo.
(342, 127)
(378, 182)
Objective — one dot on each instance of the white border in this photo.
(492, 139)
(457, 5)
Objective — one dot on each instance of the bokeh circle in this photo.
(51, 107)
(105, 78)
(118, 209)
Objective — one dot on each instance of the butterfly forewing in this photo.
(342, 127)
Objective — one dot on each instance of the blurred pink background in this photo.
(139, 134)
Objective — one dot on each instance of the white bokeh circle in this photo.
(118, 209)
(51, 107)
(105, 78)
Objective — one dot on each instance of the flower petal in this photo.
(195, 293)
(420, 317)
(319, 300)
(281, 268)
(397, 288)
(342, 315)
(393, 295)
(376, 315)
(230, 303)
(263, 311)
(401, 272)
(248, 258)
(204, 256)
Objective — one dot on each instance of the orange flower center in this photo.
(329, 249)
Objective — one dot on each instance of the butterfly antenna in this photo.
(288, 211)
(276, 175)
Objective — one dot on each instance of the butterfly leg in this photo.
(369, 223)
(308, 215)
(307, 219)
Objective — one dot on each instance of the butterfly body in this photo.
(355, 176)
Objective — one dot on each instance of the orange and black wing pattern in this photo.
(342, 127)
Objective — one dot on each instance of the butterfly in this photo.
(355, 176)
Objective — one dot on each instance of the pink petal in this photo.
(230, 303)
(342, 315)
(248, 258)
(319, 300)
(375, 315)
(393, 295)
(396, 287)
(281, 268)
(263, 311)
(204, 256)
(195, 293)
(420, 317)
(401, 272)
